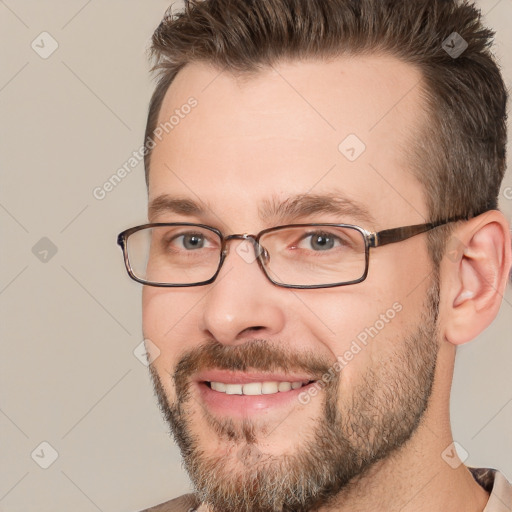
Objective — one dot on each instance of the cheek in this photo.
(167, 320)
(362, 325)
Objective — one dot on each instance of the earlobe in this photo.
(475, 282)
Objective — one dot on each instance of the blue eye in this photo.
(321, 241)
(192, 241)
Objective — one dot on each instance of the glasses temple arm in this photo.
(390, 236)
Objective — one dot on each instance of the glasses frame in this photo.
(372, 240)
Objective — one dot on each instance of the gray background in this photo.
(71, 320)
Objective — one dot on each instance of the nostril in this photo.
(254, 328)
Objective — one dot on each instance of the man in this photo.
(324, 233)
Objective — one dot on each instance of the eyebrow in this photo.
(274, 210)
(177, 205)
(306, 205)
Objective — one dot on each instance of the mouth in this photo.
(237, 394)
(256, 388)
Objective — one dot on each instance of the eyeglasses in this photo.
(291, 256)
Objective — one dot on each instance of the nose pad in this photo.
(265, 256)
(260, 251)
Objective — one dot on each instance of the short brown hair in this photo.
(459, 157)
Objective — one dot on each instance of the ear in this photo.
(474, 274)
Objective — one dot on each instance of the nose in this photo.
(242, 303)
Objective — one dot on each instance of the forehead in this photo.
(298, 128)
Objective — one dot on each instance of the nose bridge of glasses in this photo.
(259, 250)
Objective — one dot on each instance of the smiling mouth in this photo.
(256, 388)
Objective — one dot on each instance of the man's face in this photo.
(365, 353)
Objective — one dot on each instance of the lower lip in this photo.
(243, 405)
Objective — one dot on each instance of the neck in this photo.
(426, 474)
(416, 479)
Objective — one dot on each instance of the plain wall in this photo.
(71, 317)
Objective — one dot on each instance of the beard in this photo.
(346, 440)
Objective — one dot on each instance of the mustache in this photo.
(256, 355)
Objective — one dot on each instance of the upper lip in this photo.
(228, 377)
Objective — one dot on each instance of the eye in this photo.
(320, 241)
(190, 241)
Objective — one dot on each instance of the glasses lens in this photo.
(315, 255)
(174, 254)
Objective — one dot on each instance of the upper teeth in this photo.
(254, 388)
